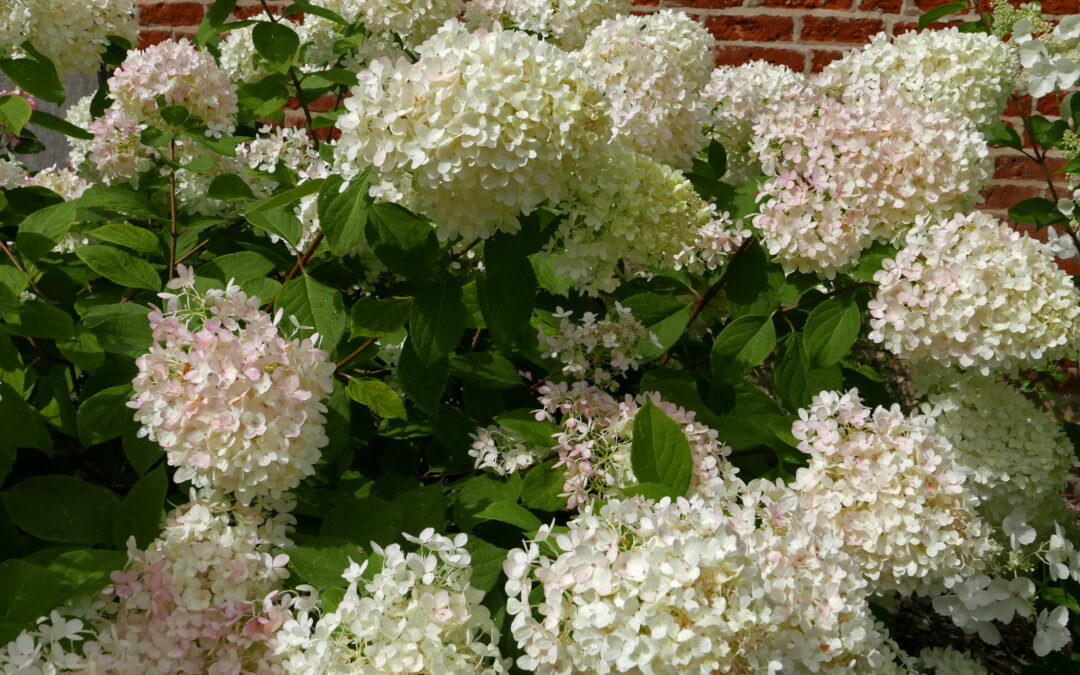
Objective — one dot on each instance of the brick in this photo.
(884, 6)
(149, 38)
(831, 29)
(171, 14)
(1011, 166)
(927, 5)
(698, 4)
(736, 55)
(1061, 7)
(1050, 104)
(1017, 105)
(1004, 195)
(808, 4)
(751, 28)
(820, 58)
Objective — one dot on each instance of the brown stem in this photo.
(461, 254)
(14, 261)
(172, 209)
(305, 257)
(359, 350)
(704, 300)
(193, 251)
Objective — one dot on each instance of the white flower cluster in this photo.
(483, 127)
(967, 75)
(596, 435)
(739, 97)
(597, 351)
(652, 69)
(883, 484)
(564, 22)
(1015, 454)
(978, 600)
(413, 21)
(844, 172)
(180, 73)
(974, 292)
(73, 35)
(202, 598)
(417, 614)
(63, 181)
(503, 452)
(640, 586)
(1049, 56)
(638, 213)
(235, 405)
(947, 661)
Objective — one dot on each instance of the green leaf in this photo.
(364, 520)
(83, 572)
(743, 344)
(1047, 133)
(308, 187)
(1059, 596)
(680, 388)
(50, 121)
(308, 8)
(831, 331)
(437, 319)
(229, 186)
(1003, 134)
(662, 316)
(487, 369)
(37, 319)
(523, 422)
(28, 592)
(240, 267)
(123, 234)
(343, 214)
(506, 291)
(762, 285)
(1038, 210)
(120, 328)
(279, 222)
(927, 18)
(120, 267)
(323, 566)
(15, 112)
(659, 452)
(42, 230)
(36, 77)
(870, 261)
(402, 241)
(315, 304)
(486, 563)
(277, 43)
(478, 492)
(512, 514)
(62, 508)
(371, 317)
(378, 396)
(542, 487)
(120, 199)
(174, 115)
(140, 514)
(23, 426)
(142, 453)
(102, 416)
(217, 14)
(795, 382)
(423, 383)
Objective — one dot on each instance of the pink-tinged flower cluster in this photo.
(183, 75)
(567, 23)
(63, 181)
(846, 171)
(236, 406)
(73, 35)
(682, 586)
(484, 126)
(652, 69)
(596, 434)
(417, 614)
(203, 598)
(741, 97)
(116, 151)
(883, 484)
(597, 351)
(972, 291)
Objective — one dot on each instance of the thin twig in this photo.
(192, 251)
(359, 350)
(704, 300)
(303, 259)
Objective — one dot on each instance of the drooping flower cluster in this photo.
(939, 661)
(890, 490)
(483, 127)
(1015, 454)
(652, 69)
(202, 598)
(977, 601)
(564, 22)
(844, 172)
(637, 213)
(596, 434)
(641, 586)
(597, 351)
(739, 97)
(73, 35)
(974, 292)
(236, 406)
(967, 75)
(417, 614)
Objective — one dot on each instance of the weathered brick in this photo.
(1013, 166)
(808, 4)
(885, 6)
(1005, 195)
(751, 28)
(734, 55)
(152, 37)
(170, 14)
(820, 58)
(699, 4)
(833, 29)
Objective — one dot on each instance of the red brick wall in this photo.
(802, 34)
